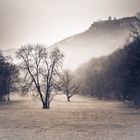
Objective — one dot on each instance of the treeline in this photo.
(116, 76)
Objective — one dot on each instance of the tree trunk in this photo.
(8, 99)
(68, 98)
(0, 97)
(46, 104)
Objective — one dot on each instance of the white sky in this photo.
(48, 21)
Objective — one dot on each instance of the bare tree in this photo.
(41, 68)
(69, 86)
(135, 28)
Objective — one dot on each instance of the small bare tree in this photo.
(41, 67)
(69, 86)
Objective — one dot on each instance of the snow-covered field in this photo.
(82, 119)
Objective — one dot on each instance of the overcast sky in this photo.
(48, 21)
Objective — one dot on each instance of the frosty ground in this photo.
(83, 118)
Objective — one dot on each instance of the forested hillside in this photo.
(116, 76)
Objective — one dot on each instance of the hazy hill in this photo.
(102, 38)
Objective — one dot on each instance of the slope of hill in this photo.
(101, 38)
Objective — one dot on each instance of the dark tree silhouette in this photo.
(41, 68)
(9, 76)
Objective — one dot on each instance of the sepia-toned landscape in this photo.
(69, 70)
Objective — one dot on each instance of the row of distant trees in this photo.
(116, 76)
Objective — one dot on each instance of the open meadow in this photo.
(83, 118)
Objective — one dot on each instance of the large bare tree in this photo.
(41, 67)
(69, 85)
